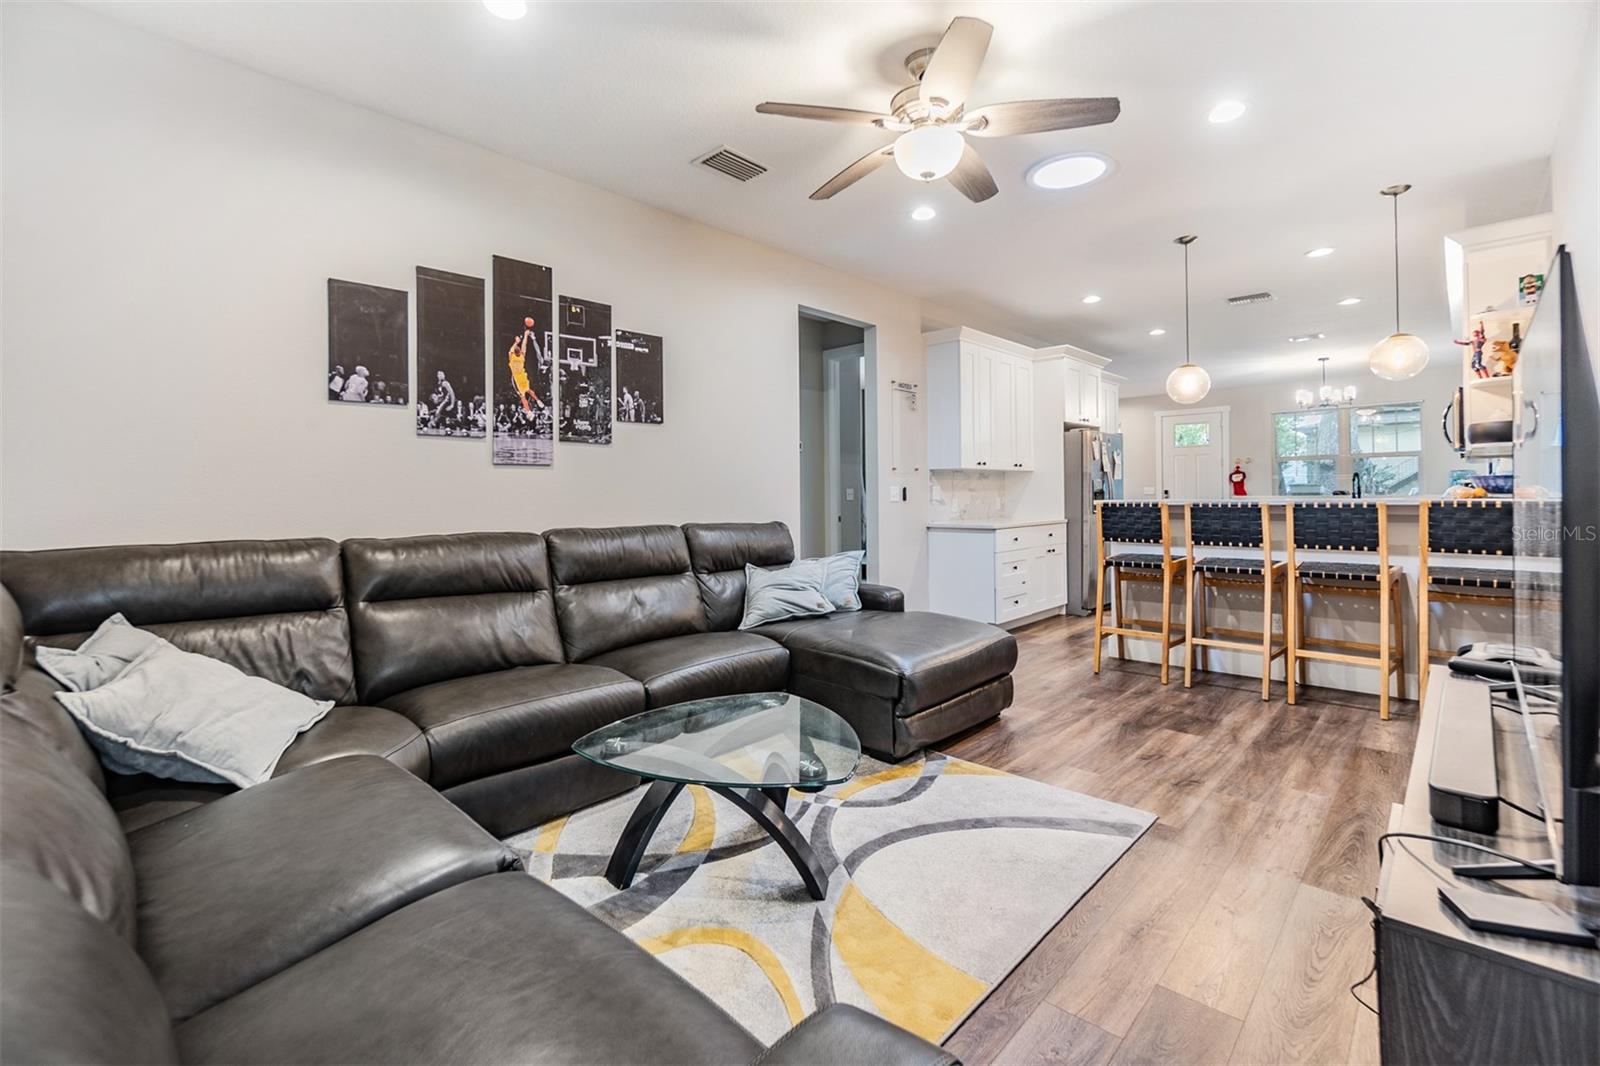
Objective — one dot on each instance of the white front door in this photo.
(1193, 447)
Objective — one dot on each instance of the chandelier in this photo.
(1327, 395)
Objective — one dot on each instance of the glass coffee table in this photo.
(750, 749)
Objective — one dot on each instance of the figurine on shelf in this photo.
(1528, 288)
(1476, 344)
(1505, 358)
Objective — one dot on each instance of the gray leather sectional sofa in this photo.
(358, 907)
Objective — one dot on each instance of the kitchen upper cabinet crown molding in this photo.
(974, 336)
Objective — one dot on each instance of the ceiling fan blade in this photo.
(826, 114)
(1039, 116)
(954, 64)
(855, 172)
(972, 179)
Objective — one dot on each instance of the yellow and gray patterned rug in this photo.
(943, 874)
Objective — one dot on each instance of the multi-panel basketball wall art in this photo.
(549, 374)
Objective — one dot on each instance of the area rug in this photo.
(943, 874)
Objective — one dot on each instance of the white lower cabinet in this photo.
(997, 573)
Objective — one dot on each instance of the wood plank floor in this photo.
(1232, 931)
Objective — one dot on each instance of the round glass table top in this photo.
(751, 740)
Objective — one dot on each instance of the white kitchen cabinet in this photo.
(1022, 440)
(1110, 403)
(997, 573)
(1083, 390)
(976, 391)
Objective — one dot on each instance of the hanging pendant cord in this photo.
(1396, 200)
(1186, 305)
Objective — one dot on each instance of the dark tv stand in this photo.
(1505, 871)
(1448, 992)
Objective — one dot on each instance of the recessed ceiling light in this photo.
(1226, 111)
(507, 9)
(1308, 337)
(1349, 301)
(1158, 332)
(1069, 171)
(1318, 253)
(1091, 299)
(924, 213)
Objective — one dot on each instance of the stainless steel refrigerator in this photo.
(1094, 472)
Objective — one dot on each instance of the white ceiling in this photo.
(1460, 100)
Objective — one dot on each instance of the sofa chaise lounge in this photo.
(345, 911)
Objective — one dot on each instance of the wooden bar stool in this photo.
(1232, 525)
(1124, 522)
(1459, 527)
(1346, 526)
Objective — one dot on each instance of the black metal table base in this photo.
(765, 806)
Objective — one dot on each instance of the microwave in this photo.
(1479, 419)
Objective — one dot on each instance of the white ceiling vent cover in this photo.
(1250, 298)
(725, 160)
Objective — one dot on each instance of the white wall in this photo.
(1575, 183)
(170, 221)
(1250, 424)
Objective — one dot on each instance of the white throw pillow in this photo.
(841, 579)
(109, 650)
(793, 592)
(187, 717)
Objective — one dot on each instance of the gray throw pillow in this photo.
(793, 592)
(841, 579)
(109, 650)
(188, 717)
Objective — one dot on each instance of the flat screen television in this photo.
(1557, 558)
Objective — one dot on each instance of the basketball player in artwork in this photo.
(517, 361)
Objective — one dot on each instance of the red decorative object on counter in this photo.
(1237, 477)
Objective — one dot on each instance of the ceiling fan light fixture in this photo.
(1069, 171)
(928, 153)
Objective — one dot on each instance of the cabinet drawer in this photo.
(1013, 581)
(1009, 605)
(1012, 564)
(1029, 537)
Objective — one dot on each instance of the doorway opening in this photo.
(835, 367)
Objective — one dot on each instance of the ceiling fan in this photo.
(933, 122)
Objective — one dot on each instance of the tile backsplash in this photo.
(967, 496)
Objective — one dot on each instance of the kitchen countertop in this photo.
(992, 524)
(1278, 501)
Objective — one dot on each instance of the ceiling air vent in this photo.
(725, 160)
(1250, 298)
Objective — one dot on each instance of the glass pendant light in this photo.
(1189, 383)
(1400, 355)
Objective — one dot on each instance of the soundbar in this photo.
(1463, 777)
